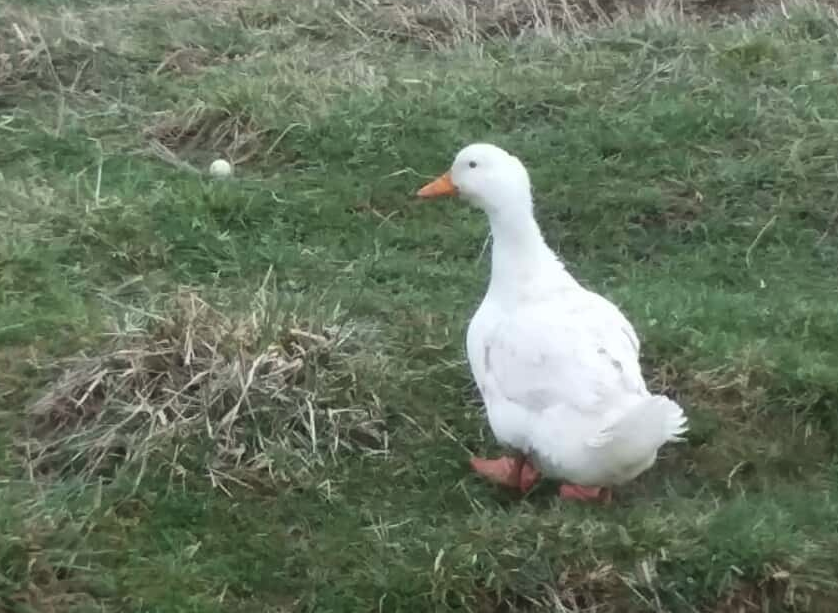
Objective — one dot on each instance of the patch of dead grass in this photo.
(469, 21)
(176, 137)
(443, 23)
(203, 391)
(60, 48)
(23, 51)
(431, 23)
(777, 588)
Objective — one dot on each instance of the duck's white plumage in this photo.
(557, 365)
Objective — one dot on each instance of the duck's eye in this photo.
(472, 164)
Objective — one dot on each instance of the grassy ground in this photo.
(251, 395)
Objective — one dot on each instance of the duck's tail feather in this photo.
(646, 425)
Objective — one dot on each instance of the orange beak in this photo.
(441, 186)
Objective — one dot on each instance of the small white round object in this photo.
(221, 168)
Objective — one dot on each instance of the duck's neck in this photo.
(520, 255)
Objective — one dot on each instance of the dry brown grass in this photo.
(27, 37)
(441, 23)
(23, 51)
(777, 587)
(236, 137)
(37, 45)
(202, 391)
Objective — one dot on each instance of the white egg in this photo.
(221, 168)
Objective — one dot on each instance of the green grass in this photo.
(686, 172)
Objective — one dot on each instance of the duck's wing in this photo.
(575, 352)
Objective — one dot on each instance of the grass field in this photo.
(251, 395)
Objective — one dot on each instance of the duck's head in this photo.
(488, 177)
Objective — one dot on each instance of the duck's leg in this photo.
(528, 475)
(508, 471)
(568, 491)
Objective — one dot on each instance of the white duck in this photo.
(557, 365)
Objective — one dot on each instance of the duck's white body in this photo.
(557, 365)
